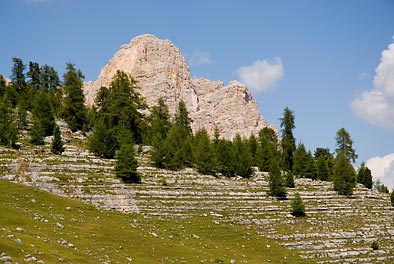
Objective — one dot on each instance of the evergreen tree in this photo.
(310, 167)
(203, 153)
(159, 126)
(364, 176)
(74, 109)
(43, 113)
(8, 131)
(253, 146)
(267, 149)
(225, 157)
(57, 144)
(329, 158)
(345, 145)
(34, 75)
(182, 118)
(392, 197)
(276, 182)
(36, 132)
(300, 160)
(290, 180)
(126, 164)
(49, 81)
(344, 175)
(18, 78)
(177, 148)
(3, 86)
(243, 159)
(103, 141)
(297, 206)
(322, 169)
(288, 141)
(380, 187)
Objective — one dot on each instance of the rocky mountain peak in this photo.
(161, 71)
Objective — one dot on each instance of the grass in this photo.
(108, 236)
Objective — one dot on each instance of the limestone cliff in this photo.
(161, 71)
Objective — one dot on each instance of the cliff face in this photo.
(161, 72)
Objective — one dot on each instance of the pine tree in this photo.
(276, 182)
(392, 198)
(288, 141)
(267, 149)
(57, 144)
(8, 131)
(34, 75)
(243, 159)
(126, 164)
(43, 113)
(344, 175)
(345, 145)
(253, 146)
(322, 169)
(364, 176)
(297, 206)
(290, 180)
(18, 78)
(329, 158)
(310, 167)
(159, 126)
(203, 153)
(182, 118)
(103, 142)
(300, 160)
(177, 149)
(74, 109)
(225, 157)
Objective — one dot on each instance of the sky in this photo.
(331, 62)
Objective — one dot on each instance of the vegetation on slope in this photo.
(54, 229)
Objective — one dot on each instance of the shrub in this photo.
(375, 245)
(297, 205)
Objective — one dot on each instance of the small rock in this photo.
(232, 261)
(20, 229)
(195, 236)
(68, 208)
(70, 245)
(60, 225)
(154, 234)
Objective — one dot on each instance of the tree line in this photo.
(118, 121)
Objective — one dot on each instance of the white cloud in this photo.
(382, 168)
(376, 106)
(262, 75)
(199, 58)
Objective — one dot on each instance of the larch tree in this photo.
(287, 125)
(276, 183)
(344, 144)
(74, 109)
(344, 175)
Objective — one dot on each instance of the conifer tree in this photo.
(126, 164)
(392, 198)
(289, 180)
(345, 145)
(34, 75)
(224, 157)
(344, 175)
(276, 182)
(288, 141)
(74, 109)
(243, 159)
(253, 146)
(18, 78)
(328, 157)
(322, 169)
(177, 148)
(159, 126)
(364, 176)
(57, 144)
(203, 152)
(297, 206)
(182, 118)
(267, 149)
(300, 160)
(310, 167)
(8, 131)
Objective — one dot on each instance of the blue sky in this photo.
(316, 57)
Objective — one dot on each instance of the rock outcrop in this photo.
(161, 71)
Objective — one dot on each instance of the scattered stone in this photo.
(20, 229)
(154, 234)
(60, 225)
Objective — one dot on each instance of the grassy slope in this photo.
(107, 236)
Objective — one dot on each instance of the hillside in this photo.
(176, 215)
